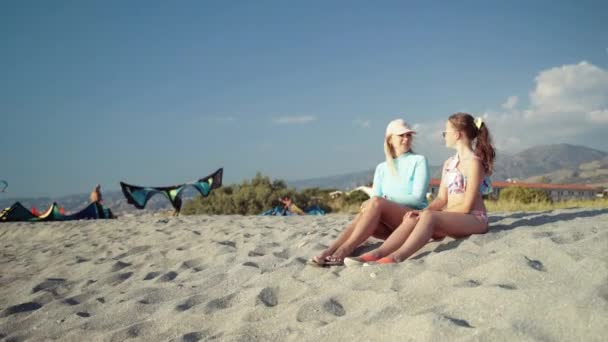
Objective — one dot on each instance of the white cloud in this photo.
(569, 89)
(598, 116)
(362, 123)
(294, 120)
(510, 103)
(567, 104)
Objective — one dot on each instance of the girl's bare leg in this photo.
(396, 239)
(452, 224)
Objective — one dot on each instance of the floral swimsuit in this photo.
(456, 183)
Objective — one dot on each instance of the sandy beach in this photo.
(534, 276)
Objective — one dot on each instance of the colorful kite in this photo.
(17, 212)
(140, 195)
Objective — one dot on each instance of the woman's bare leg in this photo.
(377, 213)
(451, 224)
(381, 232)
(340, 239)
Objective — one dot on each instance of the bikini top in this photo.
(457, 182)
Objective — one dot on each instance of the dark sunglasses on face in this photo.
(409, 135)
(443, 134)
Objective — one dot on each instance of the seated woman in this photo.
(459, 210)
(400, 185)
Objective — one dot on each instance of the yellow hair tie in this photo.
(478, 122)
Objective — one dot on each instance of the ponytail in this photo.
(484, 148)
(477, 132)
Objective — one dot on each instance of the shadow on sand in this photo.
(543, 218)
(536, 219)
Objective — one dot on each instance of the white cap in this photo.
(398, 127)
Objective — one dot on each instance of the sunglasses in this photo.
(409, 135)
(443, 134)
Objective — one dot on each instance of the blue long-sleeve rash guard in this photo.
(409, 186)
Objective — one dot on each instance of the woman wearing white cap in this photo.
(400, 185)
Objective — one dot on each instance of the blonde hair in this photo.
(389, 153)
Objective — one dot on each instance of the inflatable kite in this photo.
(3, 185)
(17, 212)
(140, 195)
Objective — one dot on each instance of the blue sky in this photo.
(158, 92)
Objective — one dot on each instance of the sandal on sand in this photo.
(386, 260)
(326, 261)
(360, 260)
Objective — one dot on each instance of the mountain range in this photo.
(561, 163)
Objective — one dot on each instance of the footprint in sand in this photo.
(133, 251)
(284, 254)
(268, 297)
(169, 276)
(255, 253)
(227, 243)
(71, 301)
(119, 265)
(196, 265)
(194, 336)
(135, 331)
(80, 259)
(573, 237)
(468, 283)
(21, 308)
(83, 314)
(119, 278)
(151, 275)
(251, 264)
(55, 286)
(459, 322)
(190, 302)
(219, 304)
(334, 307)
(328, 310)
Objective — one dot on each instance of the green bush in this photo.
(524, 195)
(356, 197)
(253, 197)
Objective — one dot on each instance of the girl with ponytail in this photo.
(458, 210)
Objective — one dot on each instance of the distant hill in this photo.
(561, 163)
(541, 160)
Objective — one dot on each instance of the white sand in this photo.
(535, 276)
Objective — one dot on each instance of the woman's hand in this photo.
(414, 214)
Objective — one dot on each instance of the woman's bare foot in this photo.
(321, 258)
